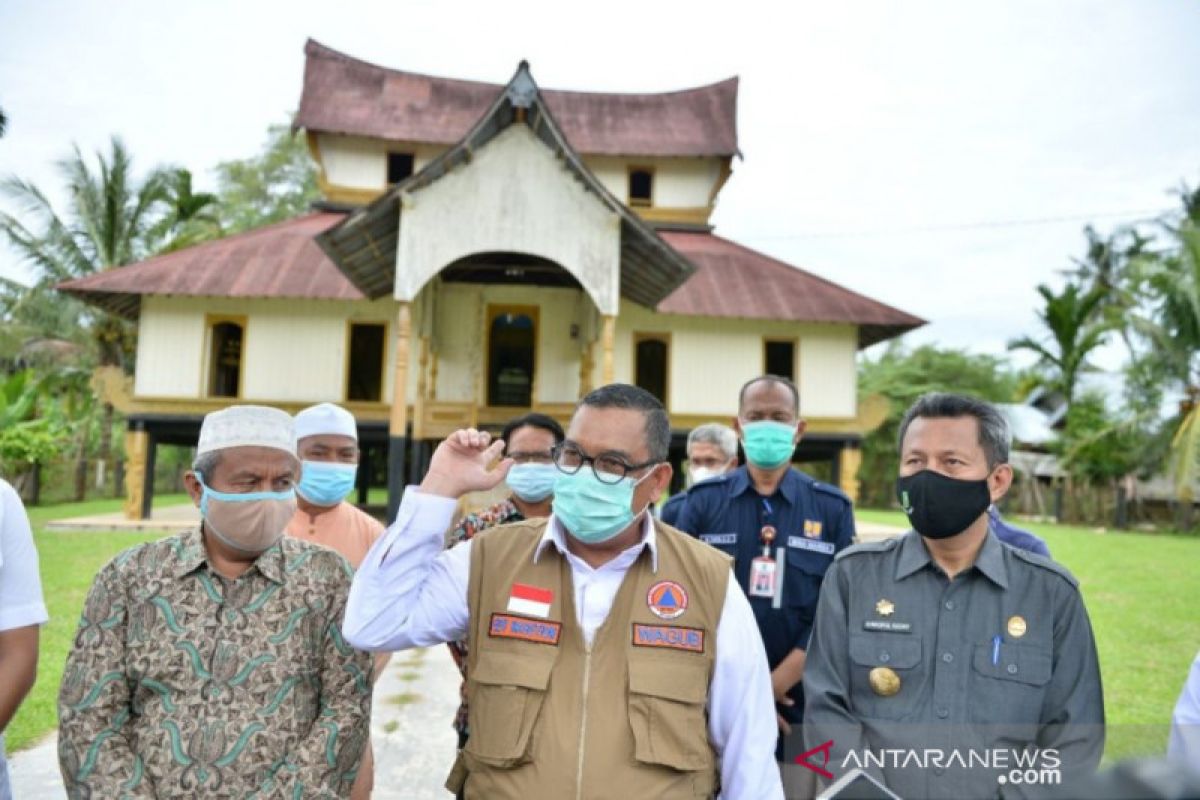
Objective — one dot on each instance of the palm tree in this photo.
(1169, 285)
(1076, 329)
(191, 218)
(109, 215)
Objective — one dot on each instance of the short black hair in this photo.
(533, 420)
(624, 395)
(779, 379)
(994, 435)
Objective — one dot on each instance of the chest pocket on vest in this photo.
(901, 655)
(507, 698)
(1011, 691)
(666, 711)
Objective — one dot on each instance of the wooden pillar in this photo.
(398, 422)
(607, 336)
(137, 451)
(849, 462)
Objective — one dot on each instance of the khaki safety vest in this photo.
(625, 718)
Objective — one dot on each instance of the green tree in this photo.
(1076, 329)
(902, 376)
(108, 217)
(277, 184)
(192, 217)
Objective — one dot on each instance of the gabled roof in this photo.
(345, 95)
(280, 260)
(735, 281)
(364, 244)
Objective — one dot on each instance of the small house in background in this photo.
(484, 250)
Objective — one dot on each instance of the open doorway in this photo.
(511, 355)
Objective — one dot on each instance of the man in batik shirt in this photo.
(211, 663)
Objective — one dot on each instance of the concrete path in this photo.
(168, 518)
(414, 704)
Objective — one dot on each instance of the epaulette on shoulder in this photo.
(830, 489)
(880, 546)
(1047, 564)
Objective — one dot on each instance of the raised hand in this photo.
(461, 464)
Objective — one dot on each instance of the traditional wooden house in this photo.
(483, 250)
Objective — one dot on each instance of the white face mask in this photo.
(697, 474)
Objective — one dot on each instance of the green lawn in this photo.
(1139, 589)
(1140, 593)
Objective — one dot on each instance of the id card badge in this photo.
(764, 575)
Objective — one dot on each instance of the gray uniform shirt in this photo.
(997, 672)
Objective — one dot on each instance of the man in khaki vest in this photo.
(610, 656)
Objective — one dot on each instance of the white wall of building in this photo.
(359, 163)
(677, 182)
(513, 196)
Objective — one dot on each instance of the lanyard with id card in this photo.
(765, 580)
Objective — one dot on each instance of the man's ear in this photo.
(1000, 481)
(662, 479)
(194, 489)
(801, 427)
(736, 424)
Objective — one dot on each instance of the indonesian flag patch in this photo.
(532, 601)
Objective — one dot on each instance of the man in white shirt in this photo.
(21, 612)
(611, 656)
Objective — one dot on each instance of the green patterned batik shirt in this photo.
(183, 683)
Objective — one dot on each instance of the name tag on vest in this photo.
(507, 626)
(887, 626)
(719, 538)
(672, 637)
(815, 545)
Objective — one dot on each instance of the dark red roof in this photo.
(735, 281)
(345, 95)
(280, 260)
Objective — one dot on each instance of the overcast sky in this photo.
(942, 157)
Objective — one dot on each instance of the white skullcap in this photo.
(247, 426)
(326, 418)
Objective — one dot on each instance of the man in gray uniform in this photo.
(945, 662)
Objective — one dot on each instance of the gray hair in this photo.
(206, 464)
(624, 395)
(714, 433)
(995, 437)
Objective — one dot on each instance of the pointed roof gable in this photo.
(345, 95)
(364, 245)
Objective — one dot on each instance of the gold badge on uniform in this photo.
(1016, 626)
(884, 681)
(885, 608)
(812, 528)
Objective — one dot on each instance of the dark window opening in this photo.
(641, 187)
(364, 378)
(400, 166)
(650, 368)
(511, 343)
(780, 359)
(225, 360)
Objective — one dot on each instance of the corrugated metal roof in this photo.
(281, 260)
(345, 95)
(735, 281)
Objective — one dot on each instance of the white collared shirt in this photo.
(411, 592)
(21, 602)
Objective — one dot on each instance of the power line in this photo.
(1142, 215)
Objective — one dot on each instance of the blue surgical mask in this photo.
(591, 511)
(532, 482)
(326, 483)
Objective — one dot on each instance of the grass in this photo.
(1139, 591)
(1136, 585)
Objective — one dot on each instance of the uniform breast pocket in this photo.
(804, 573)
(897, 688)
(507, 694)
(1009, 689)
(666, 713)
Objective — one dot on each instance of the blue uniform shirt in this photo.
(813, 521)
(669, 513)
(1016, 537)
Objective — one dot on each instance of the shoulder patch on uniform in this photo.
(1046, 564)
(829, 489)
(881, 546)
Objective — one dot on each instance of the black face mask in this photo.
(939, 507)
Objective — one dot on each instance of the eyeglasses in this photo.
(607, 469)
(532, 456)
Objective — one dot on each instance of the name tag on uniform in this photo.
(672, 637)
(719, 538)
(506, 626)
(814, 545)
(887, 626)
